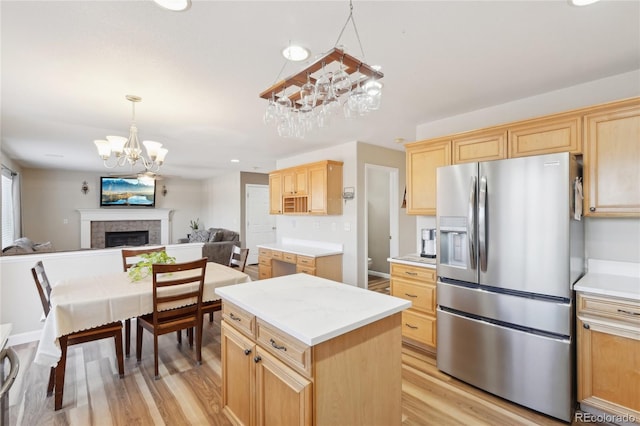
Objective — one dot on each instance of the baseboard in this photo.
(379, 274)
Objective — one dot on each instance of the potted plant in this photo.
(194, 225)
(143, 268)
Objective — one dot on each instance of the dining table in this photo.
(81, 303)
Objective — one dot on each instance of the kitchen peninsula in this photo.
(293, 256)
(300, 349)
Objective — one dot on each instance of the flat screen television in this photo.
(127, 192)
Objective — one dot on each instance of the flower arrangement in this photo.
(143, 268)
(194, 224)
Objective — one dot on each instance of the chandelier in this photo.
(128, 150)
(335, 85)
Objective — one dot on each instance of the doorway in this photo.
(260, 225)
(381, 219)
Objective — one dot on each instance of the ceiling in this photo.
(67, 66)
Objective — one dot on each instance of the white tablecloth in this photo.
(87, 302)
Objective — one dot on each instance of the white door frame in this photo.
(394, 206)
(253, 252)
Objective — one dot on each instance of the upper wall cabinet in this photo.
(294, 181)
(423, 158)
(309, 189)
(480, 146)
(612, 160)
(607, 135)
(275, 193)
(558, 133)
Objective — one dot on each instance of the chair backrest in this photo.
(43, 286)
(177, 289)
(128, 255)
(238, 257)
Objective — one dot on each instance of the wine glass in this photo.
(308, 93)
(323, 84)
(271, 111)
(341, 81)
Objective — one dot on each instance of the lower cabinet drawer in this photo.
(264, 272)
(419, 327)
(239, 319)
(305, 270)
(290, 350)
(266, 261)
(421, 296)
(277, 254)
(306, 261)
(289, 257)
(624, 310)
(264, 252)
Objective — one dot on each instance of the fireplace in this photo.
(126, 238)
(95, 223)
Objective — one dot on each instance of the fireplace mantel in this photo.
(93, 215)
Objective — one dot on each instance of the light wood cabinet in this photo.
(275, 193)
(257, 388)
(309, 189)
(612, 160)
(556, 133)
(480, 146)
(423, 159)
(418, 285)
(294, 181)
(608, 332)
(275, 263)
(270, 378)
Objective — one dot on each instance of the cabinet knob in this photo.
(592, 209)
(257, 359)
(586, 326)
(247, 351)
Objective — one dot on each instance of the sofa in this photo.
(217, 243)
(25, 246)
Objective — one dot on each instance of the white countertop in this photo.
(5, 330)
(609, 278)
(305, 247)
(414, 260)
(312, 309)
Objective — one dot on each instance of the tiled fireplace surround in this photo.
(95, 222)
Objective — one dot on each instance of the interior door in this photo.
(260, 226)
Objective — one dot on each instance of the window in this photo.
(10, 207)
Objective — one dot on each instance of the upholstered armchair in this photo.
(218, 243)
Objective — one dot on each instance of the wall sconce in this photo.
(348, 193)
(164, 190)
(85, 187)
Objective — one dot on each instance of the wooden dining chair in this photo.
(177, 304)
(128, 256)
(238, 259)
(56, 376)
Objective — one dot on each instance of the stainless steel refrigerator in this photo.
(510, 250)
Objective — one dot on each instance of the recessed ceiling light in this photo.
(582, 2)
(174, 5)
(295, 53)
(235, 160)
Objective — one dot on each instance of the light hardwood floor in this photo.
(188, 394)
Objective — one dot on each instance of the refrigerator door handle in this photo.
(471, 223)
(482, 223)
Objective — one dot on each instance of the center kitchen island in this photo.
(304, 350)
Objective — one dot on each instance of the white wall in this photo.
(605, 238)
(378, 216)
(50, 199)
(609, 89)
(348, 229)
(328, 228)
(222, 202)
